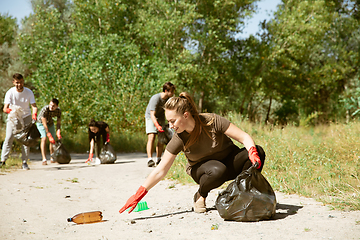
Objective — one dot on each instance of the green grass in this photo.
(12, 163)
(320, 162)
(121, 142)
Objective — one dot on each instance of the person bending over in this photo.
(97, 129)
(45, 125)
(212, 156)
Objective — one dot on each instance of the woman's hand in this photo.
(254, 157)
(90, 159)
(134, 199)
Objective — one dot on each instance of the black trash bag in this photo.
(107, 154)
(165, 137)
(60, 154)
(29, 135)
(248, 198)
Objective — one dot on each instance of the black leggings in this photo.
(211, 174)
(98, 146)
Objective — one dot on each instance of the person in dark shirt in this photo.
(212, 156)
(97, 130)
(45, 125)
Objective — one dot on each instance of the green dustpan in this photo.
(141, 206)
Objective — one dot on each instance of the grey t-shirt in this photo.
(156, 104)
(205, 148)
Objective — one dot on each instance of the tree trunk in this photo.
(201, 101)
(268, 112)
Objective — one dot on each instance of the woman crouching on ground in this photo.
(97, 129)
(205, 140)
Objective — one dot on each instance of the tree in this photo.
(93, 71)
(309, 61)
(211, 36)
(8, 27)
(9, 58)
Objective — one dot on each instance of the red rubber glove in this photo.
(58, 135)
(90, 157)
(107, 137)
(134, 199)
(158, 127)
(8, 110)
(34, 116)
(51, 139)
(254, 157)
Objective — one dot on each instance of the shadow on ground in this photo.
(282, 211)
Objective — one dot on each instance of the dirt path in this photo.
(35, 205)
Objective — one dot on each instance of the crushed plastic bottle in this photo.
(86, 217)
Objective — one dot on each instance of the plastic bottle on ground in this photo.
(86, 217)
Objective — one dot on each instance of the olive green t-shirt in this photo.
(205, 148)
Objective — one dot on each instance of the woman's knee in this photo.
(210, 170)
(215, 171)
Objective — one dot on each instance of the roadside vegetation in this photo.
(321, 162)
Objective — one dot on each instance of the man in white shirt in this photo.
(23, 97)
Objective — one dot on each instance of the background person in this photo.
(45, 125)
(97, 129)
(154, 119)
(22, 97)
(212, 157)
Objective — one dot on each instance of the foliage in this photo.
(125, 141)
(8, 28)
(303, 64)
(81, 68)
(310, 59)
(84, 83)
(211, 36)
(80, 52)
(9, 54)
(352, 103)
(12, 163)
(177, 171)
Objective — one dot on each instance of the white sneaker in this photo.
(97, 161)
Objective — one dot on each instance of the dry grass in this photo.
(320, 162)
(12, 163)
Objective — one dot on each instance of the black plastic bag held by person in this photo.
(29, 135)
(60, 154)
(165, 137)
(107, 154)
(248, 198)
